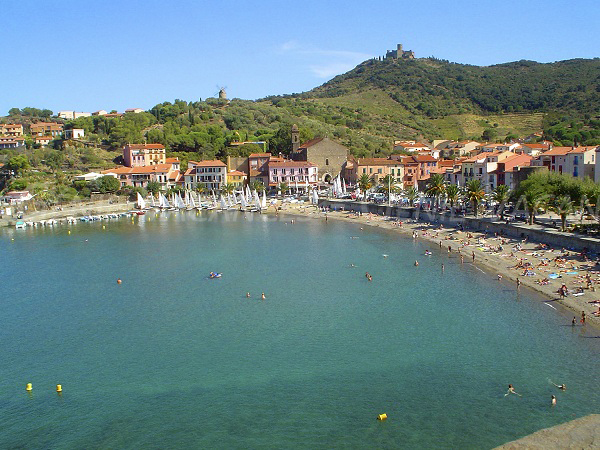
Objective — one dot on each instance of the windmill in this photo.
(222, 93)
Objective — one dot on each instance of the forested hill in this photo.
(437, 88)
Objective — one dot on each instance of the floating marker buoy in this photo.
(29, 387)
(382, 416)
(104, 227)
(59, 388)
(69, 232)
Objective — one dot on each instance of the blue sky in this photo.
(85, 56)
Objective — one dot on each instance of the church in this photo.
(328, 155)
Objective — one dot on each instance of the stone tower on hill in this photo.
(400, 54)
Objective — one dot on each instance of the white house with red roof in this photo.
(212, 174)
(579, 162)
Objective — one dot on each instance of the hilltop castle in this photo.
(400, 54)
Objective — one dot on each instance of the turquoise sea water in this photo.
(171, 359)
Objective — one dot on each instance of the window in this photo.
(371, 170)
(326, 161)
(379, 170)
(364, 170)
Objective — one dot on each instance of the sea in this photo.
(171, 358)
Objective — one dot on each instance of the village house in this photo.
(579, 162)
(46, 129)
(11, 129)
(100, 112)
(210, 174)
(237, 178)
(292, 173)
(141, 176)
(480, 166)
(375, 168)
(12, 141)
(74, 133)
(134, 110)
(70, 115)
(454, 149)
(534, 149)
(409, 146)
(15, 197)
(140, 155)
(504, 173)
(43, 140)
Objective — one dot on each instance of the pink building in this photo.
(140, 155)
(291, 172)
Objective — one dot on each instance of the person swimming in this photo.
(562, 387)
(416, 263)
(247, 294)
(553, 401)
(511, 390)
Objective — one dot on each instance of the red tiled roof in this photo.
(171, 160)
(139, 170)
(311, 142)
(377, 162)
(289, 163)
(236, 173)
(209, 163)
(145, 146)
(259, 155)
(562, 151)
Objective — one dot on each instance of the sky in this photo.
(86, 56)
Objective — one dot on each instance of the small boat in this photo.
(20, 225)
(428, 253)
(140, 213)
(215, 275)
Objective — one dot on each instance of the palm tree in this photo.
(365, 182)
(257, 186)
(283, 187)
(452, 192)
(411, 193)
(474, 194)
(562, 206)
(501, 195)
(201, 189)
(533, 198)
(436, 187)
(228, 188)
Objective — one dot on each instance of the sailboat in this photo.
(192, 202)
(223, 204)
(244, 204)
(179, 202)
(141, 203)
(263, 204)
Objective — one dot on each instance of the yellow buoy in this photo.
(29, 387)
(382, 416)
(69, 232)
(104, 227)
(59, 388)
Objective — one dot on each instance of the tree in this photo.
(153, 187)
(501, 195)
(19, 164)
(436, 186)
(474, 194)
(533, 197)
(283, 187)
(365, 182)
(411, 194)
(452, 193)
(257, 186)
(108, 184)
(562, 206)
(228, 188)
(54, 159)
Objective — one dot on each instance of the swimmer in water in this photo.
(553, 401)
(499, 277)
(511, 390)
(263, 296)
(247, 294)
(416, 263)
(562, 387)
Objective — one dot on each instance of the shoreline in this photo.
(502, 263)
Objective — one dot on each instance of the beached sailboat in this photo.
(263, 204)
(141, 203)
(243, 203)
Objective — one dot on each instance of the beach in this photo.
(542, 268)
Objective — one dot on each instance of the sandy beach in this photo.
(531, 265)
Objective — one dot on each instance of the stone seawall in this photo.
(535, 233)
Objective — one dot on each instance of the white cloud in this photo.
(323, 63)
